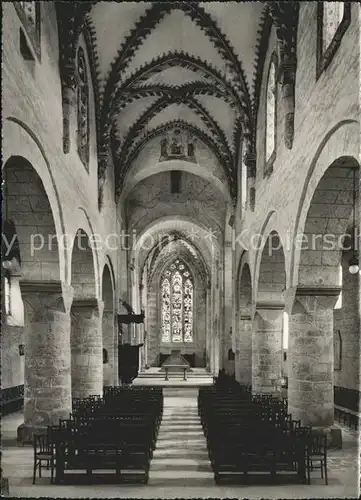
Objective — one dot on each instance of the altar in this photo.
(175, 363)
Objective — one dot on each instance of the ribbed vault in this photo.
(151, 60)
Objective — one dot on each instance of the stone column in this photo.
(228, 312)
(47, 384)
(109, 344)
(310, 369)
(216, 306)
(267, 347)
(244, 348)
(208, 328)
(116, 352)
(153, 334)
(86, 348)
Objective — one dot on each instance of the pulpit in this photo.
(128, 362)
(175, 363)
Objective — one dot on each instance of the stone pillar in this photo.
(217, 354)
(228, 312)
(216, 305)
(244, 348)
(47, 384)
(116, 352)
(208, 328)
(267, 348)
(86, 348)
(109, 344)
(153, 332)
(310, 369)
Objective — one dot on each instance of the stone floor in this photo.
(180, 467)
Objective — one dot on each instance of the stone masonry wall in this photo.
(12, 364)
(32, 128)
(326, 127)
(347, 320)
(70, 188)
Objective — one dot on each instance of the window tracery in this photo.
(83, 109)
(177, 303)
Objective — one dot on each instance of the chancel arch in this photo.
(176, 304)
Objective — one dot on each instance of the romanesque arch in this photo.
(327, 225)
(38, 298)
(268, 316)
(109, 330)
(86, 318)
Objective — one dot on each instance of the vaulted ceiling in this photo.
(157, 63)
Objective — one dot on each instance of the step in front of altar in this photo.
(175, 363)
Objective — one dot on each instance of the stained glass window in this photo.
(177, 303)
(166, 310)
(83, 109)
(271, 111)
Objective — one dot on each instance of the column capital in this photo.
(53, 294)
(106, 310)
(87, 305)
(269, 306)
(303, 294)
(269, 311)
(320, 291)
(249, 159)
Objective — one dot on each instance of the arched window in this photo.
(332, 17)
(83, 109)
(244, 184)
(30, 16)
(177, 303)
(271, 105)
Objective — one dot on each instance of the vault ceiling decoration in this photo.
(150, 61)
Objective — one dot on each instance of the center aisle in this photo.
(180, 457)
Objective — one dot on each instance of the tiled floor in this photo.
(180, 467)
